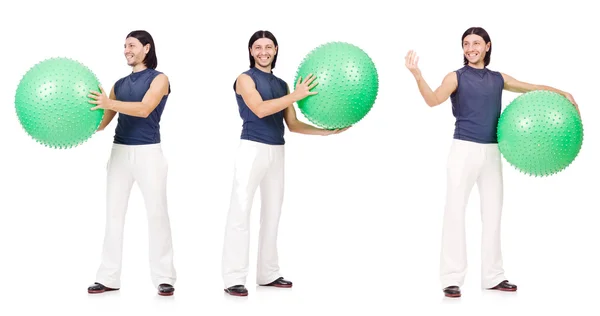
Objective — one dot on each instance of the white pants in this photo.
(470, 163)
(146, 165)
(256, 164)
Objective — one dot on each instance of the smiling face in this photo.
(135, 52)
(263, 51)
(475, 48)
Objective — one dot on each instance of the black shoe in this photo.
(98, 288)
(165, 289)
(505, 286)
(237, 290)
(452, 291)
(280, 282)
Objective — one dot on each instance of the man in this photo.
(136, 156)
(476, 95)
(264, 104)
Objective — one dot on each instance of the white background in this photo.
(361, 223)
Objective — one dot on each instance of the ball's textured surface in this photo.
(347, 87)
(540, 133)
(52, 103)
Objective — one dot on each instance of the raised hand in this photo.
(412, 62)
(303, 87)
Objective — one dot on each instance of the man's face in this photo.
(135, 52)
(263, 50)
(475, 48)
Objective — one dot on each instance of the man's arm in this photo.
(297, 126)
(513, 85)
(442, 93)
(108, 114)
(247, 89)
(158, 89)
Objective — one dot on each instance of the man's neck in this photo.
(478, 65)
(139, 67)
(263, 69)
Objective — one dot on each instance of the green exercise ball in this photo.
(540, 133)
(52, 103)
(347, 85)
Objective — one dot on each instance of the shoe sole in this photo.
(504, 290)
(452, 295)
(236, 294)
(278, 285)
(101, 291)
(165, 294)
(96, 292)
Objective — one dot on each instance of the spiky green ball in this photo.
(347, 85)
(52, 103)
(540, 133)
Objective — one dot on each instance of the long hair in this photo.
(145, 38)
(486, 38)
(256, 36)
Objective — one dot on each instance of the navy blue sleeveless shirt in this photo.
(270, 129)
(133, 130)
(477, 104)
